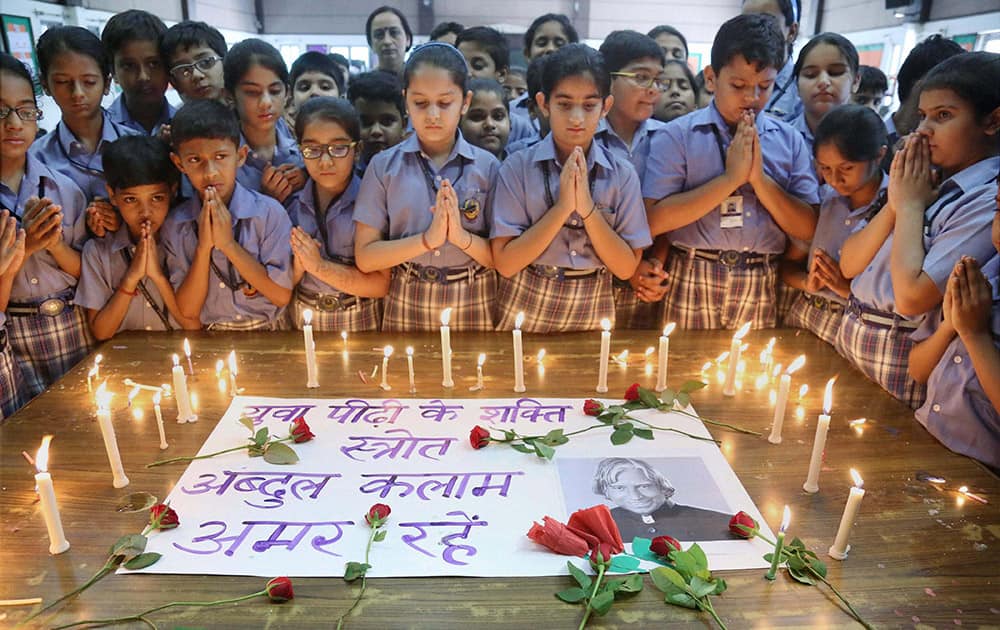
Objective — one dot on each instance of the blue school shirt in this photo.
(396, 196)
(286, 151)
(685, 154)
(520, 202)
(519, 107)
(960, 223)
(802, 126)
(103, 267)
(261, 227)
(957, 411)
(785, 103)
(639, 151)
(339, 242)
(120, 114)
(40, 277)
(521, 127)
(523, 143)
(61, 151)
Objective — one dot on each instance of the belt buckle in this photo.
(819, 302)
(549, 271)
(730, 257)
(52, 307)
(328, 303)
(431, 274)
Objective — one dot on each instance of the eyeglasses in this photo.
(316, 151)
(643, 80)
(24, 113)
(186, 70)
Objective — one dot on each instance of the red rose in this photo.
(558, 538)
(595, 524)
(592, 408)
(743, 525)
(479, 437)
(663, 545)
(632, 393)
(300, 431)
(279, 589)
(162, 516)
(600, 555)
(377, 514)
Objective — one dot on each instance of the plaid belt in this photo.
(328, 302)
(565, 273)
(53, 307)
(876, 318)
(728, 257)
(824, 304)
(442, 275)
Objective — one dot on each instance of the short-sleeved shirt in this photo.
(120, 114)
(520, 145)
(519, 107)
(286, 151)
(957, 224)
(60, 150)
(104, 263)
(520, 202)
(639, 151)
(785, 103)
(40, 276)
(338, 235)
(397, 194)
(686, 153)
(521, 127)
(802, 126)
(261, 226)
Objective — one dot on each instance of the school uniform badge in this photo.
(470, 209)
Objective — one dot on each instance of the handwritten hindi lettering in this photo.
(444, 485)
(273, 485)
(396, 443)
(437, 410)
(285, 413)
(215, 541)
(450, 550)
(526, 409)
(356, 410)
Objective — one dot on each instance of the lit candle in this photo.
(97, 367)
(822, 426)
(839, 549)
(136, 413)
(858, 425)
(779, 544)
(233, 372)
(159, 421)
(386, 353)
(47, 497)
(541, 362)
(622, 358)
(409, 368)
(446, 349)
(90, 378)
(218, 375)
(518, 355)
(187, 353)
(729, 388)
(779, 407)
(803, 390)
(312, 378)
(108, 433)
(767, 357)
(479, 370)
(181, 396)
(343, 337)
(194, 402)
(602, 370)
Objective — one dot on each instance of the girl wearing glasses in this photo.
(327, 281)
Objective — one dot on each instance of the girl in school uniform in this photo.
(546, 34)
(827, 75)
(47, 333)
(326, 278)
(568, 212)
(850, 144)
(257, 78)
(11, 251)
(901, 261)
(424, 207)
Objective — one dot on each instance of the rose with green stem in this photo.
(376, 517)
(273, 450)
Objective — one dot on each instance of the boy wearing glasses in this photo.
(131, 38)
(192, 52)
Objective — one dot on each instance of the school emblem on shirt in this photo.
(249, 291)
(470, 209)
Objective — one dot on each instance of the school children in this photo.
(545, 35)
(827, 74)
(326, 278)
(312, 74)
(123, 284)
(11, 251)
(446, 32)
(47, 333)
(424, 208)
(192, 52)
(487, 123)
(871, 88)
(389, 36)
(227, 248)
(671, 41)
(729, 186)
(680, 94)
(515, 83)
(567, 211)
(378, 99)
(538, 119)
(784, 103)
(900, 262)
(131, 39)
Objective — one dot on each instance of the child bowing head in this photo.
(827, 74)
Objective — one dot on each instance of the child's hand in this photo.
(153, 269)
(828, 272)
(910, 179)
(584, 200)
(11, 243)
(307, 250)
(756, 176)
(137, 269)
(648, 280)
(814, 283)
(946, 306)
(42, 224)
(222, 227)
(739, 155)
(102, 218)
(971, 300)
(273, 183)
(295, 176)
(164, 133)
(436, 234)
(567, 187)
(205, 223)
(457, 234)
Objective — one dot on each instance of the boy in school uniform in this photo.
(538, 121)
(228, 248)
(11, 251)
(193, 52)
(729, 187)
(378, 98)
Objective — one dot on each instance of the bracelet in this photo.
(592, 209)
(423, 240)
(129, 293)
(466, 248)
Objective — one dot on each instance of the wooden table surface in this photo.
(920, 556)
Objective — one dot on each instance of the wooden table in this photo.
(920, 555)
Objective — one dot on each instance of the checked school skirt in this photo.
(816, 314)
(12, 387)
(364, 314)
(631, 312)
(415, 303)
(46, 347)
(552, 304)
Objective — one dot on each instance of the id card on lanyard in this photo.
(731, 210)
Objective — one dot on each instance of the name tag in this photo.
(731, 213)
(647, 519)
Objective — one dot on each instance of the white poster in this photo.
(455, 510)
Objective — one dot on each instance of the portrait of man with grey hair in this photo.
(641, 496)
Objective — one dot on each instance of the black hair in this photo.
(620, 48)
(492, 41)
(394, 11)
(312, 61)
(439, 55)
(488, 85)
(444, 28)
(575, 60)
(129, 26)
(872, 80)
(60, 39)
(191, 33)
(974, 77)
(533, 77)
(857, 132)
(248, 53)
(377, 86)
(139, 160)
(754, 36)
(921, 59)
(520, 71)
(529, 35)
(669, 30)
(329, 109)
(10, 63)
(204, 118)
(838, 41)
(791, 10)
(696, 85)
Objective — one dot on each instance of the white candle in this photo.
(343, 337)
(159, 421)
(409, 368)
(729, 388)
(386, 353)
(602, 373)
(90, 378)
(312, 373)
(822, 426)
(181, 396)
(233, 372)
(187, 353)
(479, 370)
(218, 376)
(108, 433)
(541, 362)
(661, 374)
(839, 549)
(47, 498)
(779, 407)
(97, 367)
(779, 544)
(446, 381)
(518, 355)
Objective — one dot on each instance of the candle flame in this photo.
(858, 481)
(786, 519)
(343, 335)
(218, 367)
(741, 332)
(669, 328)
(446, 316)
(409, 351)
(707, 366)
(606, 324)
(763, 356)
(796, 364)
(387, 351)
(307, 317)
(803, 391)
(232, 363)
(622, 357)
(177, 360)
(187, 348)
(828, 396)
(519, 320)
(482, 359)
(541, 355)
(777, 370)
(744, 347)
(104, 396)
(770, 344)
(722, 357)
(98, 359)
(92, 372)
(963, 489)
(42, 456)
(650, 350)
(761, 381)
(156, 399)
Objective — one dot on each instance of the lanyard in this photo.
(777, 95)
(878, 204)
(718, 143)
(431, 182)
(229, 279)
(928, 220)
(546, 173)
(41, 193)
(83, 167)
(127, 255)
